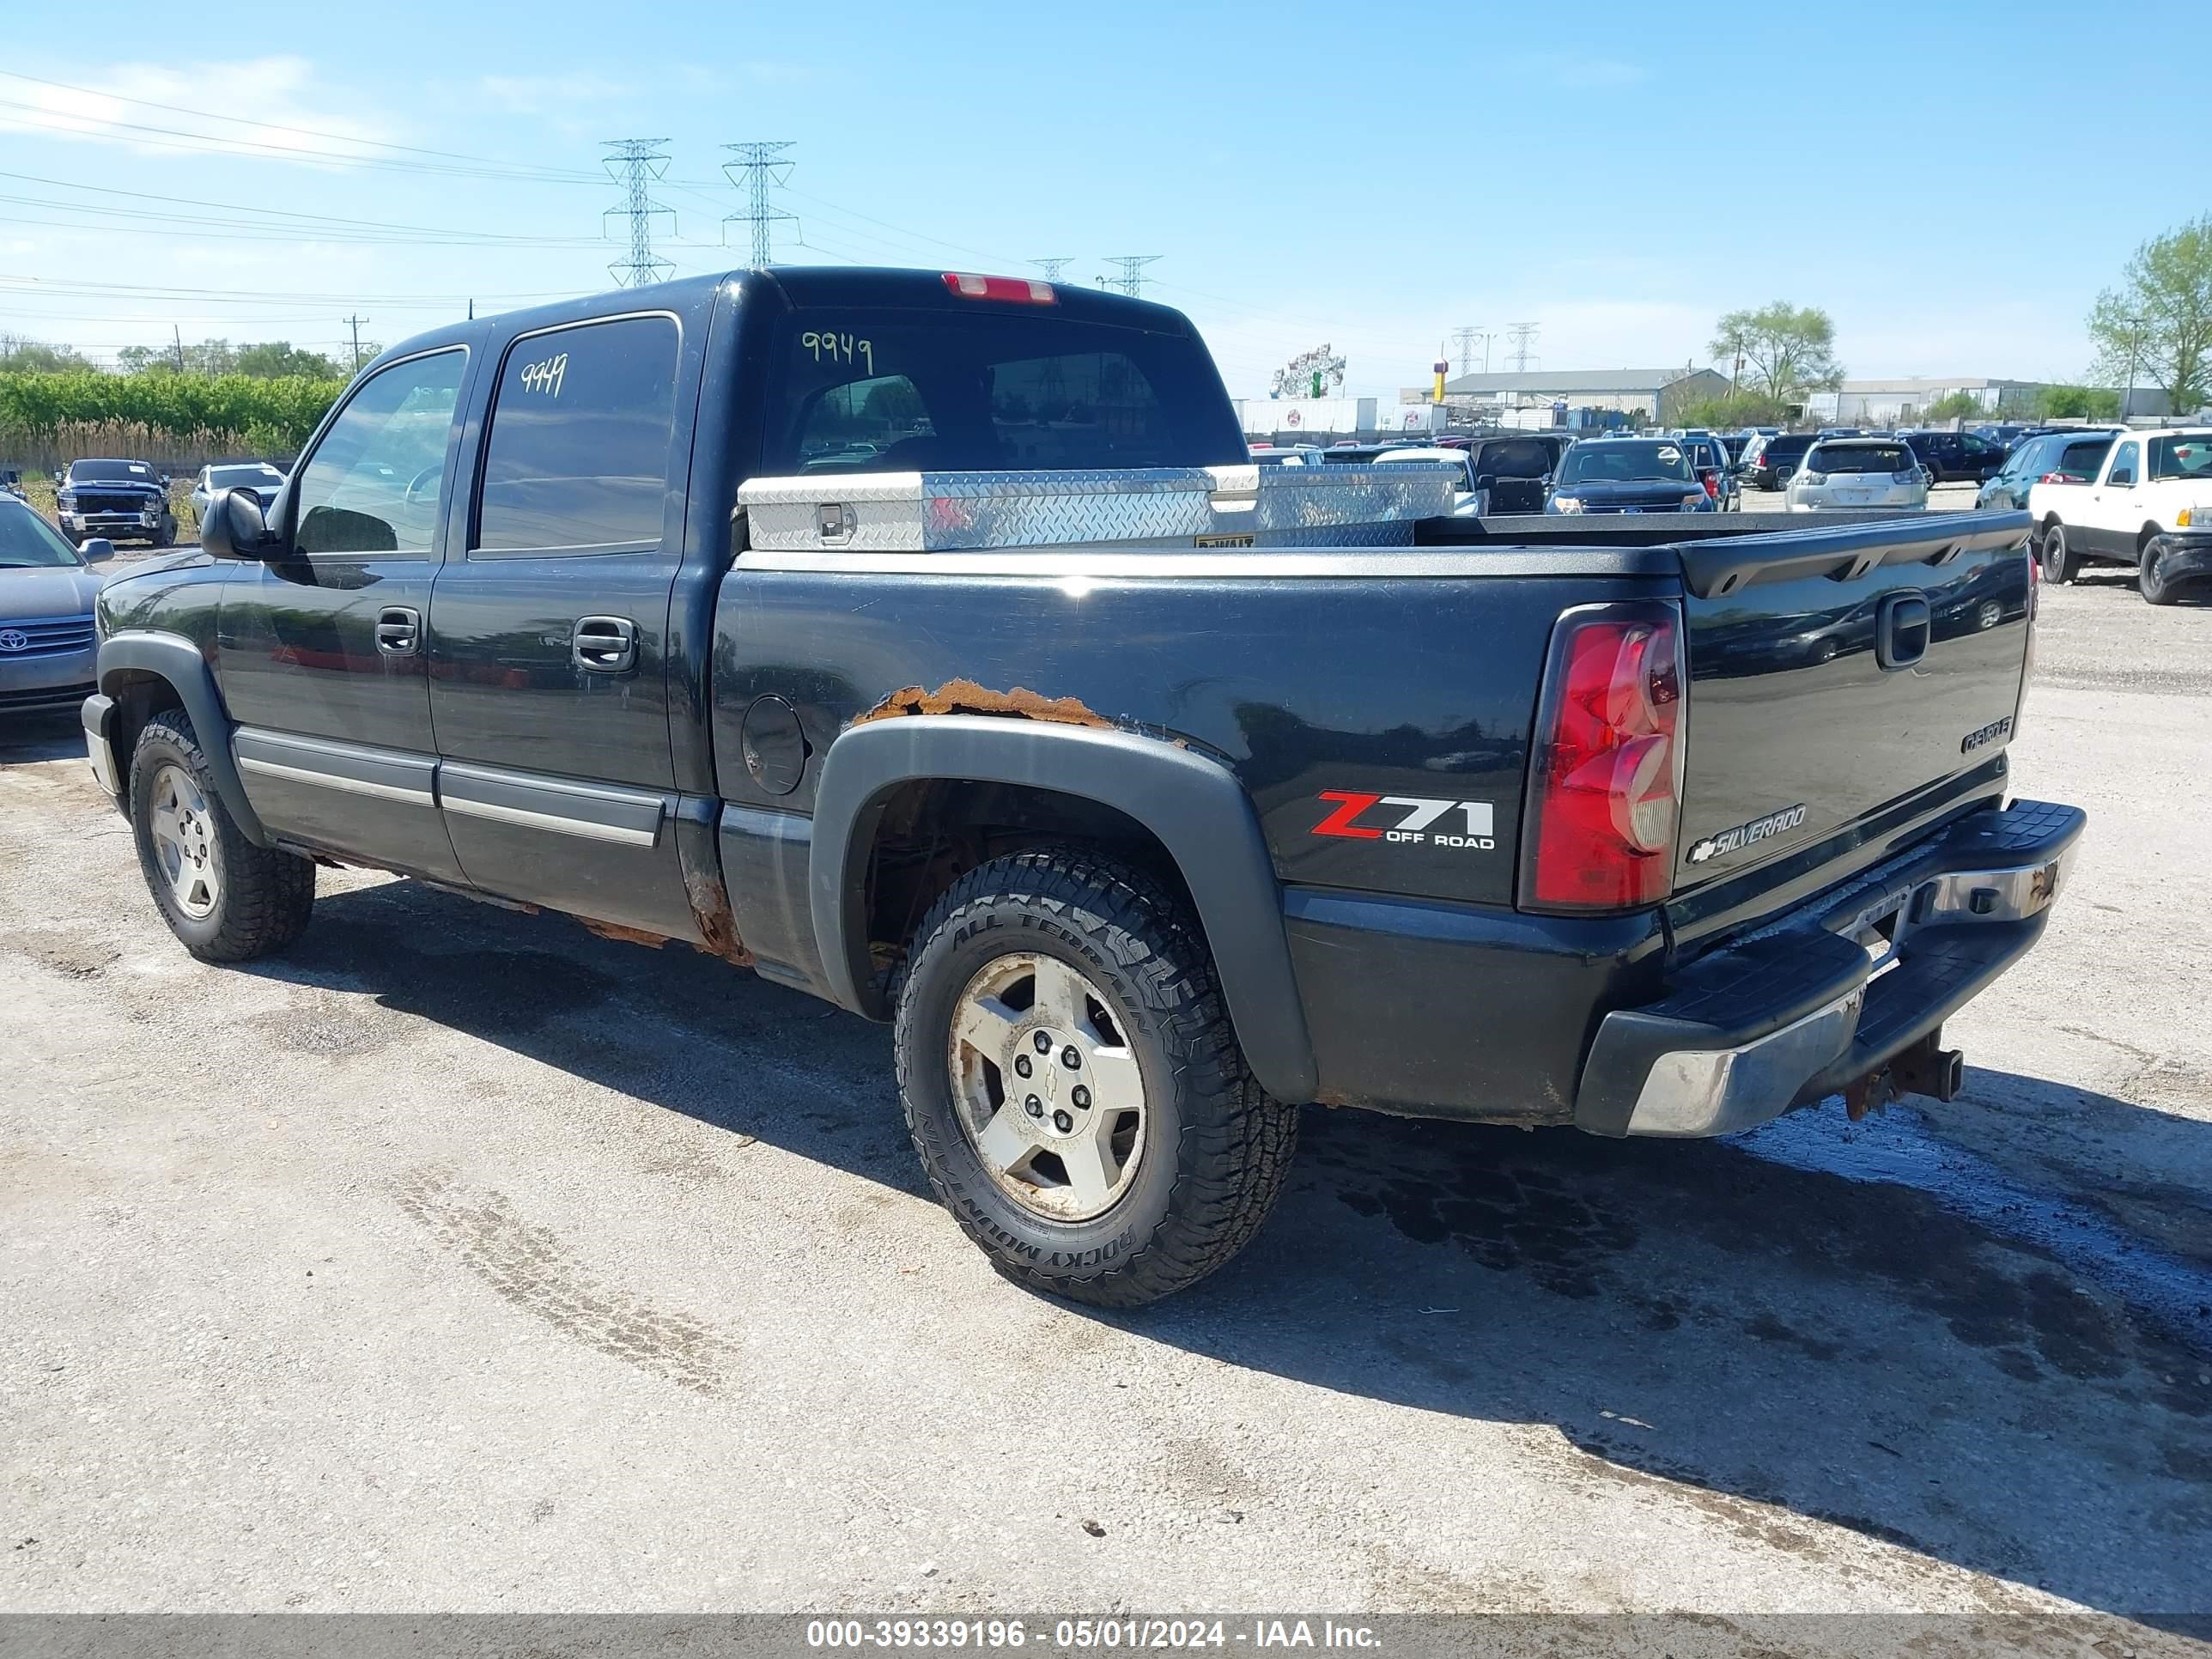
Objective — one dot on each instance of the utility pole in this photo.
(1522, 333)
(635, 164)
(760, 165)
(355, 323)
(178, 334)
(2136, 326)
(1052, 268)
(1465, 337)
(1132, 279)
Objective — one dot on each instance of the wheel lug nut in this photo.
(1081, 1097)
(1070, 1057)
(1034, 1107)
(1043, 1041)
(1062, 1121)
(1022, 1067)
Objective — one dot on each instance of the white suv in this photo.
(2154, 487)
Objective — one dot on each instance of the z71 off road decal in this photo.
(1733, 841)
(1409, 820)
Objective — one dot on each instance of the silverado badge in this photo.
(1731, 841)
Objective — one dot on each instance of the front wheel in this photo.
(2154, 589)
(1072, 1084)
(224, 898)
(2061, 564)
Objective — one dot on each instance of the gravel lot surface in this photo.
(460, 1260)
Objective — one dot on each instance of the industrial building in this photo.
(1900, 402)
(1651, 393)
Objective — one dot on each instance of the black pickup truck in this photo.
(1659, 826)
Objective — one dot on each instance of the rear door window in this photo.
(577, 459)
(896, 391)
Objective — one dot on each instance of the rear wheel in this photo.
(1783, 475)
(224, 898)
(1073, 1086)
(2061, 564)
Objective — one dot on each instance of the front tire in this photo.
(2060, 563)
(2148, 582)
(224, 898)
(1073, 1086)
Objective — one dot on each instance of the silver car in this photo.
(1857, 473)
(263, 479)
(45, 614)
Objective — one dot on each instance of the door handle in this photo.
(603, 645)
(399, 630)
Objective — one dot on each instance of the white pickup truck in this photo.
(2148, 505)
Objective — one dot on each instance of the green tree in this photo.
(1789, 350)
(1959, 406)
(273, 360)
(18, 354)
(2156, 326)
(1726, 413)
(2074, 402)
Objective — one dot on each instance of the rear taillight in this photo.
(1712, 481)
(1020, 290)
(1604, 779)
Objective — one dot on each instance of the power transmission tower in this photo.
(1522, 333)
(1132, 279)
(760, 165)
(1466, 338)
(355, 323)
(635, 164)
(1052, 268)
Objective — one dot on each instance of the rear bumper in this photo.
(2182, 556)
(1800, 1011)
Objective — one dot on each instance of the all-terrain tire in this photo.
(262, 896)
(1216, 1147)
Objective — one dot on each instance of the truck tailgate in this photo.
(1851, 686)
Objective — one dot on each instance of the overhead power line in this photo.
(758, 166)
(636, 164)
(565, 175)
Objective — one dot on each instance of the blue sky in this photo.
(1369, 176)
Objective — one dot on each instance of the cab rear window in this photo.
(888, 391)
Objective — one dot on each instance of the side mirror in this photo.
(96, 550)
(58, 478)
(234, 527)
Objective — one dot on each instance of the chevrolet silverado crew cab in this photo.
(2148, 504)
(120, 500)
(929, 643)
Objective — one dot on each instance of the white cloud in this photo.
(152, 108)
(552, 95)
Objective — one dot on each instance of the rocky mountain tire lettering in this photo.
(1733, 841)
(1421, 820)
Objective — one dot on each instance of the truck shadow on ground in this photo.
(1773, 1343)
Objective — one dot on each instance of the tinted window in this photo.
(2181, 457)
(244, 477)
(2123, 464)
(900, 391)
(1620, 461)
(580, 425)
(1522, 458)
(110, 472)
(1860, 457)
(375, 482)
(2082, 460)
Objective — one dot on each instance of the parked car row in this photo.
(121, 499)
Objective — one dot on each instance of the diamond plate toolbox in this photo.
(1157, 507)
